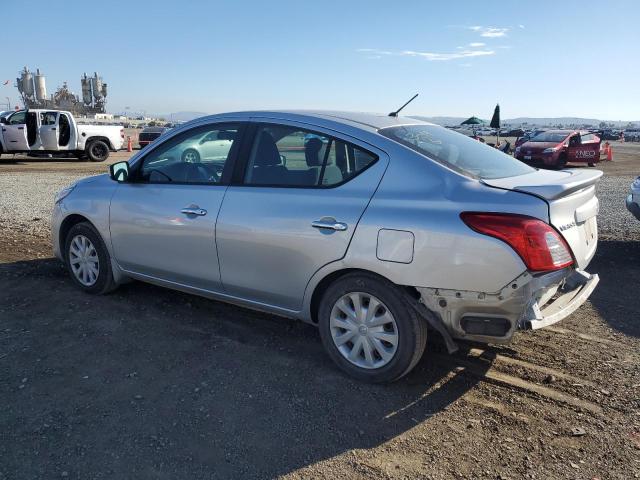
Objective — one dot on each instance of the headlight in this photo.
(62, 194)
(635, 186)
(550, 150)
(517, 149)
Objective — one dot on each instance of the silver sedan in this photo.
(371, 227)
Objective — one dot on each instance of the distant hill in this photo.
(542, 122)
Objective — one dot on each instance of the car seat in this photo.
(267, 164)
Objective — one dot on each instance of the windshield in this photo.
(457, 151)
(549, 137)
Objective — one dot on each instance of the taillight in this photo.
(539, 245)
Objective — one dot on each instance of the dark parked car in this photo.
(149, 134)
(515, 132)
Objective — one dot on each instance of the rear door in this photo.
(293, 209)
(49, 130)
(14, 132)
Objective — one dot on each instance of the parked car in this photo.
(526, 136)
(633, 199)
(55, 131)
(392, 224)
(515, 132)
(632, 135)
(556, 148)
(150, 134)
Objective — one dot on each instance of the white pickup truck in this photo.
(55, 131)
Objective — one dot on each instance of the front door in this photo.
(14, 132)
(294, 210)
(49, 130)
(163, 221)
(583, 148)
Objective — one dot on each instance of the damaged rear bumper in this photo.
(576, 291)
(529, 302)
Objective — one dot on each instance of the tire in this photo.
(97, 150)
(191, 155)
(591, 164)
(562, 162)
(76, 239)
(409, 330)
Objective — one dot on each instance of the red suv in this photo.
(556, 148)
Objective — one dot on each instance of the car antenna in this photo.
(395, 114)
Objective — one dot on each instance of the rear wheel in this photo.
(88, 260)
(98, 151)
(591, 164)
(369, 330)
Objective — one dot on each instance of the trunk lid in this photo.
(573, 205)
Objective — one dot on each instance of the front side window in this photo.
(18, 118)
(292, 157)
(457, 151)
(198, 156)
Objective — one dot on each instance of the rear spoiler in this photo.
(538, 183)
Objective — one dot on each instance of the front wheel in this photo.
(191, 155)
(98, 151)
(88, 260)
(369, 330)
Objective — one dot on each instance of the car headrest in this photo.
(267, 153)
(312, 152)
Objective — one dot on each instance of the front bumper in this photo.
(529, 302)
(633, 207)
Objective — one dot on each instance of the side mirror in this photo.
(119, 172)
(3, 120)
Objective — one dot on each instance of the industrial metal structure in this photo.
(33, 91)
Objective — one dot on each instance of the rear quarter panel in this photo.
(424, 198)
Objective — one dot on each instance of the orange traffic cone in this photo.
(129, 146)
(609, 154)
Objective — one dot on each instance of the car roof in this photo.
(367, 121)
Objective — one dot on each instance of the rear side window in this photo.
(457, 151)
(290, 157)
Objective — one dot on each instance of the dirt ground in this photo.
(151, 383)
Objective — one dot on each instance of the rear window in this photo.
(457, 151)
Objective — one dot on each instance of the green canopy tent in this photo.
(472, 121)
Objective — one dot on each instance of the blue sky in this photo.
(542, 58)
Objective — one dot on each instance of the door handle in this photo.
(194, 211)
(20, 128)
(329, 224)
(53, 128)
